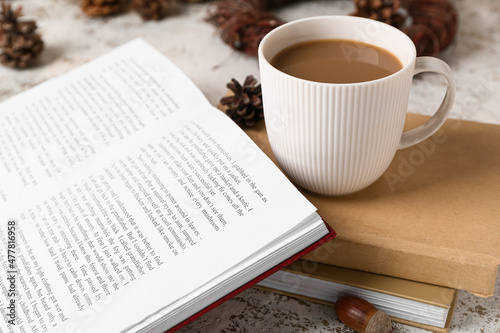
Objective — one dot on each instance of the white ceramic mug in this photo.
(336, 139)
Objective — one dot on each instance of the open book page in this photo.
(158, 194)
(46, 131)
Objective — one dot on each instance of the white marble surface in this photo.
(72, 38)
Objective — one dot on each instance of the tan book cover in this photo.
(415, 291)
(433, 217)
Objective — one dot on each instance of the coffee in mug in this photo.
(336, 61)
(338, 138)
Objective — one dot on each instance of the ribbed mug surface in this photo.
(335, 138)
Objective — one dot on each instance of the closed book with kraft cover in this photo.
(433, 217)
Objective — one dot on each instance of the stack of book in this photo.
(428, 227)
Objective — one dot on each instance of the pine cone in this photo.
(245, 105)
(152, 9)
(19, 41)
(381, 10)
(434, 25)
(242, 24)
(102, 7)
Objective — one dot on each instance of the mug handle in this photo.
(419, 134)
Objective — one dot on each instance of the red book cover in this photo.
(331, 235)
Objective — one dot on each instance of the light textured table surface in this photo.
(71, 39)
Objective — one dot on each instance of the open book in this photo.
(129, 203)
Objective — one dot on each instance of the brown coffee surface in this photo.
(336, 61)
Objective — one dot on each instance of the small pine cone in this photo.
(434, 23)
(22, 51)
(152, 9)
(102, 7)
(381, 10)
(19, 42)
(242, 24)
(244, 107)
